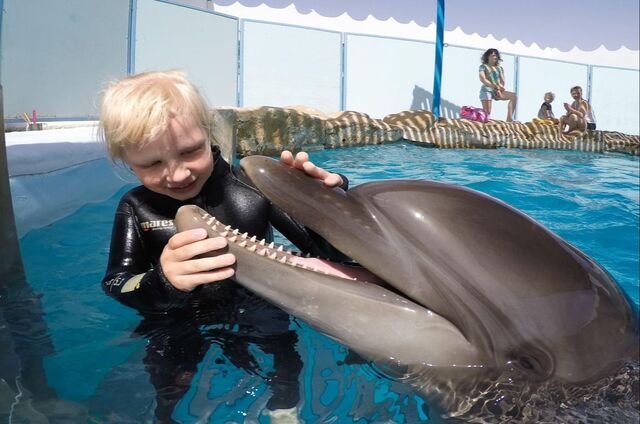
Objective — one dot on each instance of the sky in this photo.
(585, 24)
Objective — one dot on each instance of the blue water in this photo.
(591, 200)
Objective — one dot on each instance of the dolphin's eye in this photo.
(535, 362)
(525, 362)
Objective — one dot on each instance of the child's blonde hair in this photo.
(550, 94)
(137, 109)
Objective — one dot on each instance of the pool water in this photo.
(591, 200)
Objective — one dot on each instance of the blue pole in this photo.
(131, 45)
(437, 73)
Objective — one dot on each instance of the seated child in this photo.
(546, 111)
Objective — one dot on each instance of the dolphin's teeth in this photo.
(262, 242)
(308, 255)
(233, 239)
(243, 243)
(227, 228)
(245, 235)
(280, 248)
(224, 233)
(253, 238)
(282, 259)
(252, 248)
(262, 252)
(235, 231)
(206, 216)
(211, 221)
(273, 255)
(271, 245)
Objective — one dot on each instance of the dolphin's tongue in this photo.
(338, 270)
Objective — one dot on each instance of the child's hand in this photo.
(302, 162)
(567, 106)
(184, 271)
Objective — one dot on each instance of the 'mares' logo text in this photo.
(158, 224)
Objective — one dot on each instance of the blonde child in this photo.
(546, 111)
(157, 124)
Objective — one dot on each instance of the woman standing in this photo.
(492, 78)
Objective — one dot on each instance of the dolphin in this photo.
(481, 306)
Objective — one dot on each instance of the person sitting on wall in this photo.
(492, 78)
(579, 114)
(546, 112)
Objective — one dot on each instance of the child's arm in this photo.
(138, 280)
(302, 162)
(131, 277)
(185, 270)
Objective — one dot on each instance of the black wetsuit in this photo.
(180, 325)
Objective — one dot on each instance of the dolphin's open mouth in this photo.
(340, 301)
(277, 253)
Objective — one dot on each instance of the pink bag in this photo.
(473, 114)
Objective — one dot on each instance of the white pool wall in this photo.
(54, 172)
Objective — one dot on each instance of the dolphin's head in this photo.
(472, 285)
(499, 290)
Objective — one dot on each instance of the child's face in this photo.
(548, 99)
(576, 94)
(177, 163)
